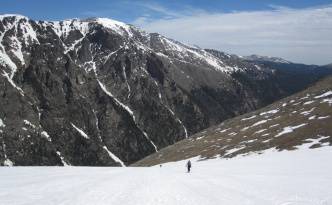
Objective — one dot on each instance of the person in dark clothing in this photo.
(188, 166)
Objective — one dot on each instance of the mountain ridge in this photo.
(102, 93)
(256, 57)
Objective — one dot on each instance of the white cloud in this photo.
(160, 9)
(299, 35)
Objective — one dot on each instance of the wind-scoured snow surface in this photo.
(289, 177)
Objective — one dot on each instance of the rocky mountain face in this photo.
(303, 119)
(293, 76)
(99, 92)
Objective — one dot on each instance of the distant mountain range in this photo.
(256, 58)
(99, 92)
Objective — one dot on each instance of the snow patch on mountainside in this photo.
(270, 112)
(249, 118)
(103, 87)
(46, 135)
(114, 25)
(21, 25)
(27, 122)
(2, 124)
(186, 54)
(110, 154)
(259, 123)
(63, 28)
(290, 129)
(82, 133)
(10, 80)
(328, 100)
(326, 94)
(7, 161)
(125, 107)
(62, 159)
(113, 156)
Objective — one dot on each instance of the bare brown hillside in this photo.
(301, 118)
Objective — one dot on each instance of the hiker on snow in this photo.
(188, 166)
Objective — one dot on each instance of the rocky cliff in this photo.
(98, 92)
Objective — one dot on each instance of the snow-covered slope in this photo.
(301, 177)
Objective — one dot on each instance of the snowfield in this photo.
(279, 178)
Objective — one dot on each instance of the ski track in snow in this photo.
(273, 178)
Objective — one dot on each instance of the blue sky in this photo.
(297, 30)
(128, 11)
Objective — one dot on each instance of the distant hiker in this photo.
(188, 166)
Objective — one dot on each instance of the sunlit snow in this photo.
(272, 178)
